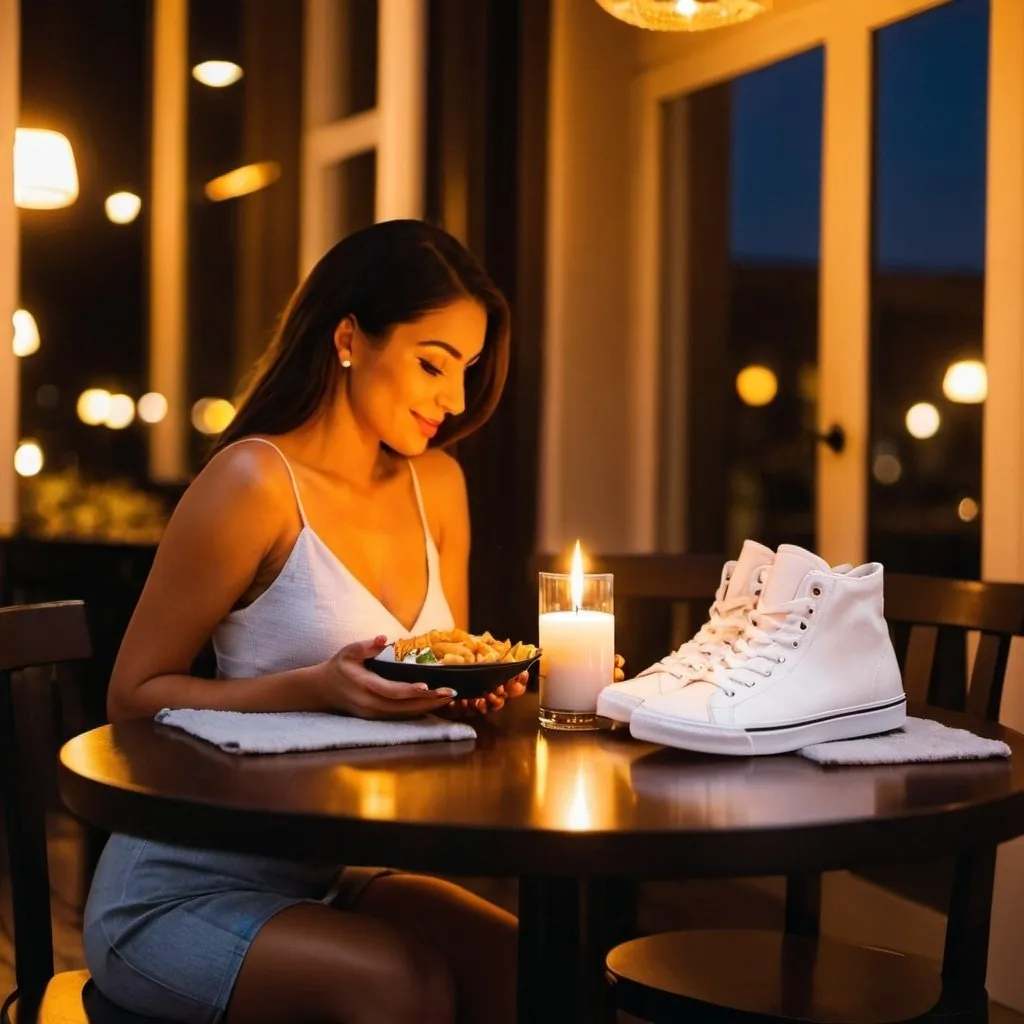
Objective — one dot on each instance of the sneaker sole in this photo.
(781, 739)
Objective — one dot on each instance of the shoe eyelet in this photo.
(730, 693)
(796, 643)
(816, 591)
(810, 611)
(782, 659)
(766, 675)
(757, 593)
(803, 625)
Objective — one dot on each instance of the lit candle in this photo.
(577, 637)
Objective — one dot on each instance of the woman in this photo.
(327, 519)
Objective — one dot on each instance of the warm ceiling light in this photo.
(152, 407)
(28, 458)
(966, 381)
(756, 385)
(243, 180)
(217, 73)
(26, 333)
(212, 415)
(923, 420)
(122, 207)
(45, 175)
(93, 406)
(684, 15)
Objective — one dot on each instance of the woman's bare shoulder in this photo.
(440, 472)
(444, 494)
(243, 478)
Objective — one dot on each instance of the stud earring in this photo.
(346, 363)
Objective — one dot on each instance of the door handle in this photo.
(834, 438)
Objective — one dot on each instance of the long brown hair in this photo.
(388, 274)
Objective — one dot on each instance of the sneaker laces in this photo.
(727, 620)
(772, 634)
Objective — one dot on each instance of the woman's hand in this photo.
(493, 701)
(348, 685)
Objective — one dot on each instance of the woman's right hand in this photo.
(349, 686)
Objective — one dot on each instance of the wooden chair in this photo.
(793, 974)
(34, 637)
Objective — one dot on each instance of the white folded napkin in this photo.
(250, 732)
(920, 739)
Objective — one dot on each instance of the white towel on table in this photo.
(278, 732)
(920, 739)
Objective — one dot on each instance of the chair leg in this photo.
(803, 905)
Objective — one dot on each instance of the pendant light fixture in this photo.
(684, 15)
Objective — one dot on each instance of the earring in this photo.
(346, 363)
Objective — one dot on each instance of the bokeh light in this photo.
(122, 207)
(212, 415)
(756, 385)
(887, 468)
(968, 510)
(966, 381)
(93, 406)
(26, 333)
(28, 458)
(121, 412)
(152, 407)
(923, 420)
(217, 73)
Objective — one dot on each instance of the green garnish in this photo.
(426, 657)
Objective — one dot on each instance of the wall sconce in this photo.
(45, 175)
(684, 15)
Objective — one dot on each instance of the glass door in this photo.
(928, 379)
(740, 347)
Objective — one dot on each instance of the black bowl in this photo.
(466, 680)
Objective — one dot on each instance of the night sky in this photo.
(930, 128)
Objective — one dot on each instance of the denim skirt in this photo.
(166, 928)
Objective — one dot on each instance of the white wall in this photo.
(585, 447)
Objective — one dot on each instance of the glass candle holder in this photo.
(577, 640)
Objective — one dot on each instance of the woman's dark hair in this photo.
(388, 274)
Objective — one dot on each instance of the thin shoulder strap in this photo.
(419, 502)
(291, 474)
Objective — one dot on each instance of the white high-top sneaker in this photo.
(815, 664)
(727, 618)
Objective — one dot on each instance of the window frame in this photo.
(395, 128)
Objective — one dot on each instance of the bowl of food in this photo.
(472, 665)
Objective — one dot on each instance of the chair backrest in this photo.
(31, 637)
(930, 618)
(648, 591)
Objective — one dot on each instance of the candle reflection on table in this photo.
(580, 789)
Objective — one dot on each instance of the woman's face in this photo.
(402, 391)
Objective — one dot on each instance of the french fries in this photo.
(457, 647)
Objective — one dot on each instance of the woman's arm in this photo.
(222, 531)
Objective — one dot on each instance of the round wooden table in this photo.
(565, 813)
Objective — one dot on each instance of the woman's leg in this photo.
(476, 938)
(314, 964)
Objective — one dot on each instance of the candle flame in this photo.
(576, 578)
